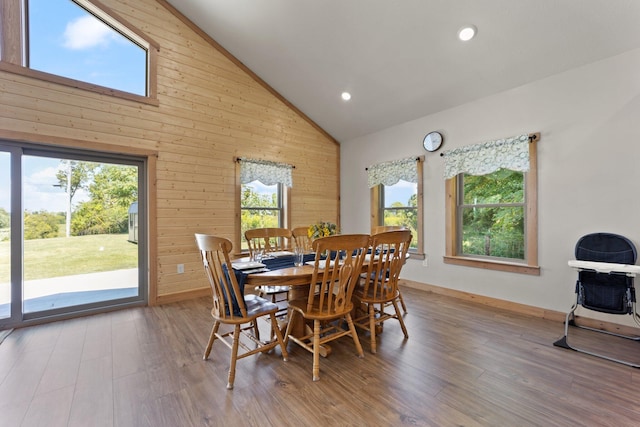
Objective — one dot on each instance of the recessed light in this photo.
(346, 96)
(466, 33)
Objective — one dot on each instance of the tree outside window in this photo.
(491, 214)
(261, 207)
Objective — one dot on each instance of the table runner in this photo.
(276, 263)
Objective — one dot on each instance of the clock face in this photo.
(432, 141)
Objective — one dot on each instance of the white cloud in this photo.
(39, 187)
(40, 192)
(46, 176)
(87, 32)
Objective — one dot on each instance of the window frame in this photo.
(377, 210)
(530, 264)
(279, 201)
(14, 49)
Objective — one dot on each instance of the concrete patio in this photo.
(65, 291)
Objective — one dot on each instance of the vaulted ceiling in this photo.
(401, 59)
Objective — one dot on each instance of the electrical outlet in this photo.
(180, 268)
(425, 261)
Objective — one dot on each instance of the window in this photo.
(399, 207)
(396, 198)
(67, 40)
(79, 44)
(492, 216)
(261, 207)
(262, 196)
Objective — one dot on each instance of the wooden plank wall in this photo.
(210, 111)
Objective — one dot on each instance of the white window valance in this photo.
(268, 173)
(389, 173)
(487, 157)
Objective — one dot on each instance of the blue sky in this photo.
(39, 191)
(39, 178)
(401, 192)
(68, 41)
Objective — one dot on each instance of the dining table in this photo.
(280, 271)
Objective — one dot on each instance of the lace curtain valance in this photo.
(487, 157)
(389, 173)
(268, 173)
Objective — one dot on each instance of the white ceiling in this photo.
(401, 59)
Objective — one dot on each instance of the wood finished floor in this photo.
(464, 364)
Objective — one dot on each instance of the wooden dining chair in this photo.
(329, 304)
(270, 240)
(301, 238)
(231, 307)
(383, 229)
(378, 290)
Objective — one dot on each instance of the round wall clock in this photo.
(432, 141)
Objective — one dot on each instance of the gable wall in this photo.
(210, 111)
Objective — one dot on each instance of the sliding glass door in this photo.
(74, 250)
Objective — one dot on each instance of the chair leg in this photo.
(274, 327)
(404, 307)
(290, 314)
(354, 334)
(272, 333)
(256, 330)
(234, 357)
(316, 350)
(372, 327)
(286, 312)
(274, 300)
(212, 338)
(400, 319)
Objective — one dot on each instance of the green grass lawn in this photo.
(62, 256)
